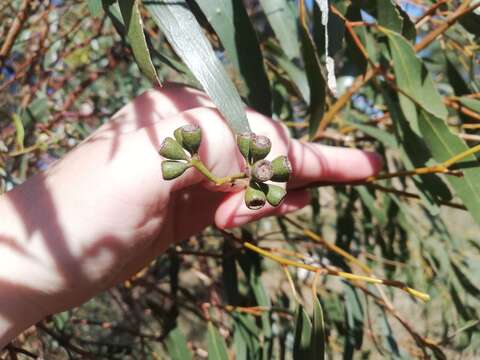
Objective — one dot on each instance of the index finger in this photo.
(314, 162)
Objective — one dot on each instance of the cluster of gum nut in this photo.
(254, 149)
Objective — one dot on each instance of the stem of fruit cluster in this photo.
(200, 166)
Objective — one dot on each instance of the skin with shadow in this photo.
(103, 212)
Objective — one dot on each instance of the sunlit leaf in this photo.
(186, 37)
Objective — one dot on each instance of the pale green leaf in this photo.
(186, 37)
(217, 349)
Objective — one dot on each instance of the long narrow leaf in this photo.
(317, 342)
(217, 349)
(136, 38)
(186, 37)
(232, 25)
(315, 77)
(177, 346)
(282, 18)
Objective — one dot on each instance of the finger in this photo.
(233, 212)
(313, 163)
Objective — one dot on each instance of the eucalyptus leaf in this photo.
(217, 349)
(136, 38)
(186, 37)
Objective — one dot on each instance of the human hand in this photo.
(104, 211)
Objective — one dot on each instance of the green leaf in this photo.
(444, 145)
(19, 132)
(317, 342)
(136, 38)
(316, 81)
(177, 345)
(388, 16)
(247, 330)
(283, 19)
(95, 7)
(414, 153)
(296, 75)
(229, 19)
(472, 104)
(413, 78)
(303, 334)
(217, 349)
(186, 37)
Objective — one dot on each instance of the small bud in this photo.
(243, 143)
(173, 169)
(275, 194)
(259, 147)
(172, 150)
(281, 169)
(191, 138)
(254, 197)
(262, 171)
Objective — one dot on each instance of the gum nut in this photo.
(172, 150)
(254, 198)
(259, 147)
(243, 143)
(275, 194)
(177, 134)
(191, 137)
(282, 169)
(262, 171)
(173, 169)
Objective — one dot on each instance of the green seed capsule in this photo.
(254, 197)
(178, 135)
(262, 171)
(243, 143)
(173, 169)
(172, 150)
(275, 194)
(259, 147)
(191, 138)
(281, 169)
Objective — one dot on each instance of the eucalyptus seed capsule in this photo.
(173, 169)
(282, 169)
(259, 147)
(172, 150)
(191, 138)
(178, 135)
(255, 198)
(262, 171)
(243, 143)
(275, 194)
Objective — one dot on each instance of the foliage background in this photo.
(64, 70)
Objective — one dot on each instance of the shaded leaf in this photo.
(317, 342)
(136, 38)
(217, 349)
(302, 335)
(283, 19)
(177, 345)
(388, 15)
(316, 81)
(232, 24)
(185, 36)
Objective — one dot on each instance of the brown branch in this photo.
(15, 29)
(462, 10)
